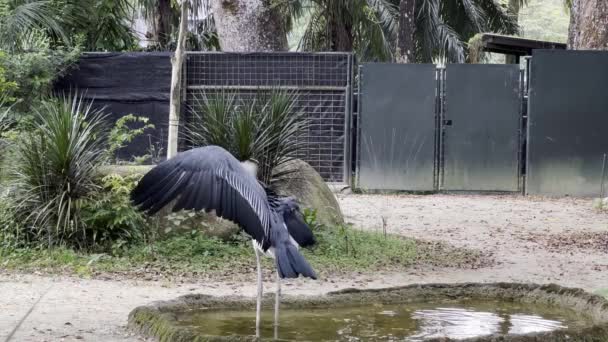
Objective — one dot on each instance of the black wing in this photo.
(289, 208)
(298, 229)
(208, 178)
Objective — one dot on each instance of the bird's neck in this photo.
(251, 167)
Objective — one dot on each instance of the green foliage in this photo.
(32, 74)
(109, 218)
(103, 25)
(7, 87)
(368, 27)
(346, 248)
(23, 22)
(11, 232)
(310, 217)
(122, 134)
(265, 129)
(54, 169)
(339, 250)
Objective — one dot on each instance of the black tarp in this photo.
(126, 83)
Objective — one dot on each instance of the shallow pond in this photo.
(404, 322)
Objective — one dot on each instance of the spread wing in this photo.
(207, 178)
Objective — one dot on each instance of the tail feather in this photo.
(291, 263)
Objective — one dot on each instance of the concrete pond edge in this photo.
(155, 320)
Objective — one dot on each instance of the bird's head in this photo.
(251, 166)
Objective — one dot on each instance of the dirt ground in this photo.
(532, 240)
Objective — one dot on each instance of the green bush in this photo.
(109, 219)
(31, 75)
(55, 166)
(56, 196)
(11, 231)
(122, 134)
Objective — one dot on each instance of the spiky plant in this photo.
(265, 128)
(55, 165)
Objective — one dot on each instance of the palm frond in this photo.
(475, 15)
(498, 18)
(387, 15)
(24, 18)
(435, 36)
(315, 35)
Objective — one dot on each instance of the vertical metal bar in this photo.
(528, 123)
(359, 137)
(442, 112)
(520, 132)
(437, 141)
(602, 182)
(347, 117)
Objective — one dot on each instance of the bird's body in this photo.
(210, 178)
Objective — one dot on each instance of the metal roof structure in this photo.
(516, 46)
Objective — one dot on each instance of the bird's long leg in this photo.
(258, 308)
(277, 302)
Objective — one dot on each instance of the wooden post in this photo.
(176, 75)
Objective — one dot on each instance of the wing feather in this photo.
(207, 178)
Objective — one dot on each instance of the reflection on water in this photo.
(461, 323)
(406, 322)
(524, 324)
(455, 323)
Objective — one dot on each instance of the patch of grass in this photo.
(349, 249)
(338, 251)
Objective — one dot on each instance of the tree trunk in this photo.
(162, 23)
(176, 81)
(249, 25)
(406, 36)
(588, 25)
(340, 35)
(513, 8)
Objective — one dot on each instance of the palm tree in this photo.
(445, 25)
(366, 26)
(371, 27)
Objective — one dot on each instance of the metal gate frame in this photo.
(442, 124)
(440, 116)
(346, 90)
(359, 136)
(569, 142)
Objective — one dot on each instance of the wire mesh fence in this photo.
(321, 81)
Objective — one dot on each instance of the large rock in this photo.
(311, 191)
(208, 224)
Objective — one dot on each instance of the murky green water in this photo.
(405, 322)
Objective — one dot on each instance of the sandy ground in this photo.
(514, 229)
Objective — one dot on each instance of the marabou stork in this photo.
(210, 178)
